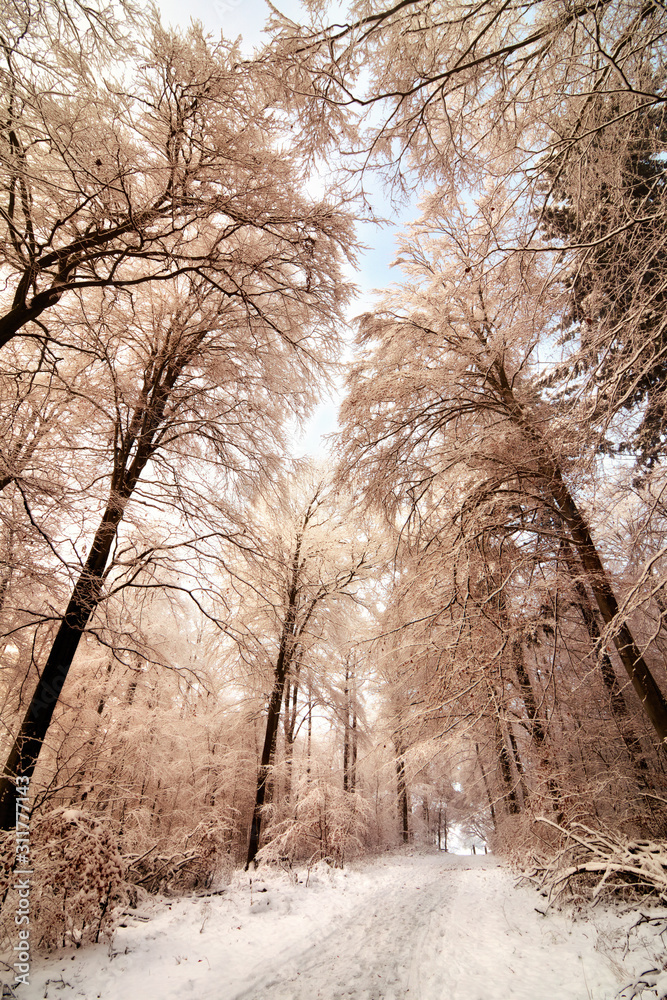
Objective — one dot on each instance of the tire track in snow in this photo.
(377, 953)
(441, 928)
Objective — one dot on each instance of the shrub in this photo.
(328, 824)
(78, 879)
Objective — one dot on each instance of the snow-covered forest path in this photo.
(440, 927)
(401, 927)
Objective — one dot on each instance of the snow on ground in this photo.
(405, 926)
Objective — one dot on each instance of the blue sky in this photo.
(232, 17)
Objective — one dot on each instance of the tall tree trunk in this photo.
(351, 725)
(487, 788)
(346, 735)
(518, 763)
(268, 755)
(617, 704)
(309, 734)
(9, 563)
(101, 703)
(136, 444)
(353, 763)
(547, 470)
(285, 656)
(402, 792)
(504, 760)
(537, 729)
(503, 754)
(290, 724)
(648, 691)
(536, 726)
(292, 632)
(85, 597)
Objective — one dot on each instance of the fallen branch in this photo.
(602, 861)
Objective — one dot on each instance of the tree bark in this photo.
(645, 685)
(648, 691)
(537, 728)
(292, 693)
(285, 655)
(518, 763)
(309, 735)
(85, 597)
(505, 763)
(350, 735)
(617, 704)
(346, 735)
(130, 459)
(268, 754)
(402, 793)
(353, 760)
(486, 786)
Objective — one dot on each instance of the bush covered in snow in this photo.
(81, 878)
(327, 823)
(203, 860)
(78, 879)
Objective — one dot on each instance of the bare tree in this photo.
(454, 82)
(465, 342)
(193, 375)
(132, 162)
(318, 571)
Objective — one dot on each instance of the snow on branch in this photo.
(596, 861)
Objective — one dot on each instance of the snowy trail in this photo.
(400, 927)
(457, 934)
(375, 954)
